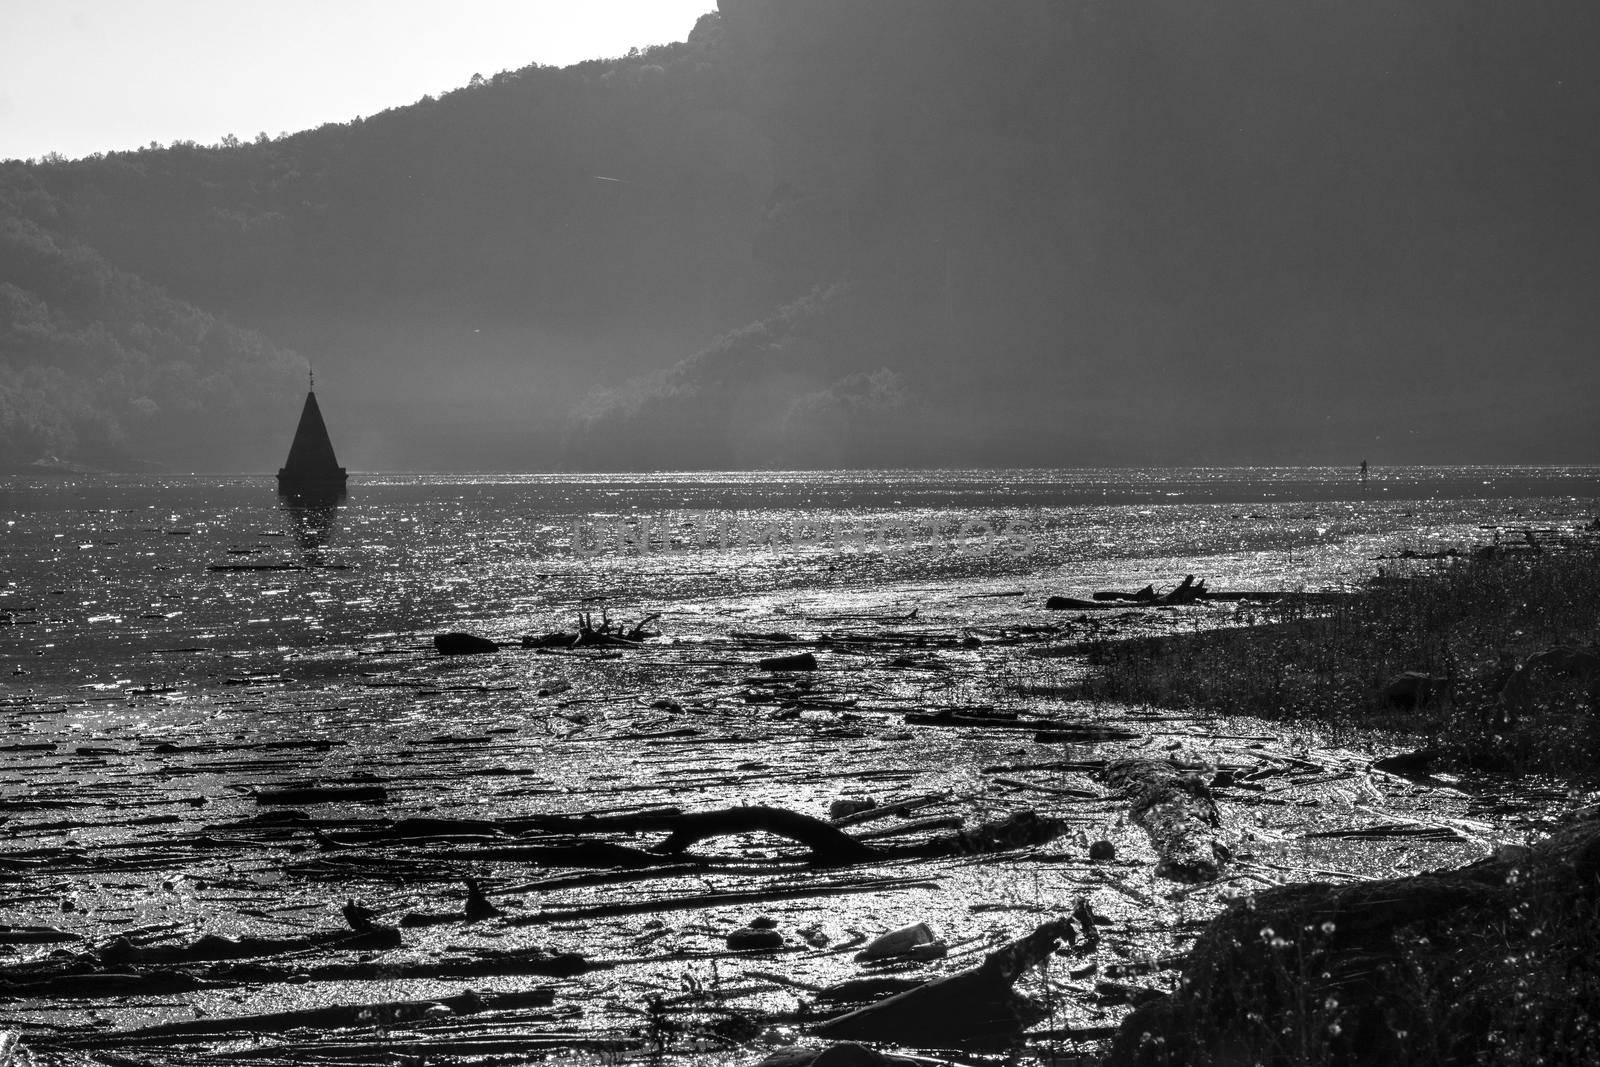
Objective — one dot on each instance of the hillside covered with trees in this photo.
(98, 366)
(858, 232)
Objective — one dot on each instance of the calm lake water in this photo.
(101, 578)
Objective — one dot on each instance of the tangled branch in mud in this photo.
(1177, 810)
(589, 634)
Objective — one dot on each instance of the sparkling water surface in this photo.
(102, 576)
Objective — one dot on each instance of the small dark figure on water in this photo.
(1363, 470)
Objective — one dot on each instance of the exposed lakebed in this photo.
(165, 700)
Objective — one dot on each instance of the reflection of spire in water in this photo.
(312, 517)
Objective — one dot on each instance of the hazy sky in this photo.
(80, 76)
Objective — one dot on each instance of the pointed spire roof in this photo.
(311, 458)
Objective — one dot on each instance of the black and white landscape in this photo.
(883, 532)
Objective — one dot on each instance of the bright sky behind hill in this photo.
(82, 76)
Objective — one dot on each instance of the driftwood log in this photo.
(388, 1013)
(1020, 829)
(827, 843)
(422, 828)
(1045, 730)
(1072, 603)
(1145, 595)
(973, 1006)
(57, 977)
(1492, 962)
(322, 794)
(477, 908)
(1191, 591)
(847, 1054)
(122, 952)
(1188, 592)
(1176, 808)
(830, 845)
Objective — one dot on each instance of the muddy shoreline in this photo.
(145, 838)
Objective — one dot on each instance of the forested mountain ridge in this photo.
(919, 231)
(458, 270)
(97, 365)
(1156, 231)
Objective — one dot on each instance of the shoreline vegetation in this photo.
(1487, 660)
(888, 826)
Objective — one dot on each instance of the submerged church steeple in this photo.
(311, 463)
